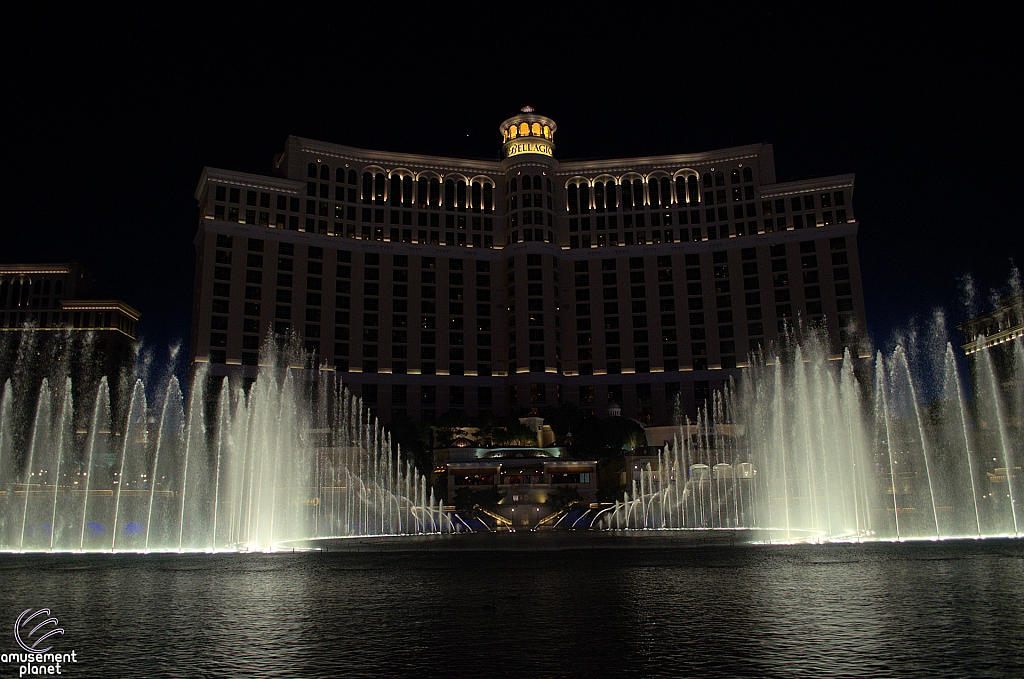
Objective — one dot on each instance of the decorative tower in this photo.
(534, 353)
(528, 135)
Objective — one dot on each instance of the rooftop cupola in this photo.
(528, 133)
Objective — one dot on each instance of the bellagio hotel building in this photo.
(433, 283)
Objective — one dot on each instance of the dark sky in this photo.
(111, 119)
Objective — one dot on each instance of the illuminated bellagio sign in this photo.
(529, 147)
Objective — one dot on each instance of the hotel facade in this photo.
(433, 283)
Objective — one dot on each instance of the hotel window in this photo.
(665, 193)
(638, 193)
(653, 192)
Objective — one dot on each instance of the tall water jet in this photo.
(954, 395)
(63, 427)
(133, 478)
(36, 478)
(988, 391)
(97, 482)
(7, 465)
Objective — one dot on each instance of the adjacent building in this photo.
(510, 285)
(999, 333)
(54, 301)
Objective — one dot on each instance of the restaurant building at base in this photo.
(512, 285)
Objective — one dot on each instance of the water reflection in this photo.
(937, 609)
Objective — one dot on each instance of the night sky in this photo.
(111, 120)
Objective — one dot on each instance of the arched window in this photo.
(395, 190)
(734, 177)
(367, 187)
(708, 180)
(379, 182)
(460, 194)
(627, 194)
(476, 196)
(609, 195)
(527, 183)
(748, 174)
(407, 191)
(421, 192)
(536, 129)
(512, 132)
(311, 170)
(599, 196)
(435, 192)
(514, 185)
(584, 198)
(549, 184)
(652, 190)
(666, 192)
(719, 178)
(352, 177)
(638, 193)
(524, 130)
(488, 198)
(681, 190)
(692, 190)
(573, 197)
(547, 132)
(449, 194)
(325, 173)
(339, 175)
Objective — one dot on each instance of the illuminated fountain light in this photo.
(827, 454)
(297, 457)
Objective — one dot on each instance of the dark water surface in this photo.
(878, 610)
